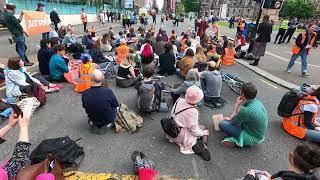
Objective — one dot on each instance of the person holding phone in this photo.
(248, 122)
(303, 161)
(304, 42)
(21, 150)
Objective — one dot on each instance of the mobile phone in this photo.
(16, 109)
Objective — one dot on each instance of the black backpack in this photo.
(169, 126)
(64, 149)
(289, 102)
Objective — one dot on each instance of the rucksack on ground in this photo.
(289, 102)
(67, 151)
(146, 97)
(127, 119)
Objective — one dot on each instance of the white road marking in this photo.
(268, 83)
(287, 60)
(195, 168)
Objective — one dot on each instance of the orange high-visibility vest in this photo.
(84, 17)
(228, 58)
(85, 71)
(294, 125)
(122, 51)
(296, 50)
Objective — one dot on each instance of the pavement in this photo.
(277, 58)
(63, 115)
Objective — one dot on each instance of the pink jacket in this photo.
(190, 130)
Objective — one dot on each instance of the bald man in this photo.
(100, 105)
(211, 82)
(55, 18)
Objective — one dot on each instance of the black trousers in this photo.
(288, 35)
(85, 26)
(56, 26)
(280, 34)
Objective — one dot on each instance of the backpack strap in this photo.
(176, 113)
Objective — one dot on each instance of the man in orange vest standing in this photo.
(84, 19)
(304, 42)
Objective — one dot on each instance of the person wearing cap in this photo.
(85, 73)
(13, 25)
(122, 51)
(40, 8)
(192, 137)
(211, 82)
(100, 104)
(248, 122)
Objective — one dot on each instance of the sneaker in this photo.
(28, 64)
(288, 70)
(10, 40)
(137, 159)
(3, 118)
(28, 106)
(304, 74)
(201, 149)
(228, 144)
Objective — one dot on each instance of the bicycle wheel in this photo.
(236, 87)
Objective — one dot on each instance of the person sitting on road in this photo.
(183, 42)
(96, 53)
(173, 35)
(44, 56)
(303, 161)
(158, 46)
(146, 52)
(20, 156)
(62, 32)
(70, 37)
(306, 123)
(201, 59)
(211, 82)
(18, 80)
(192, 79)
(106, 45)
(174, 47)
(57, 64)
(120, 36)
(248, 123)
(85, 73)
(122, 51)
(192, 137)
(126, 76)
(149, 92)
(186, 63)
(100, 105)
(229, 52)
(167, 61)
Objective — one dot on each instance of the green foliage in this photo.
(302, 9)
(190, 5)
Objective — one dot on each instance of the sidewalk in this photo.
(33, 43)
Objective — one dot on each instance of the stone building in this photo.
(244, 8)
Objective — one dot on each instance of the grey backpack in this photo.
(146, 97)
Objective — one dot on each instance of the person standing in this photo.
(264, 36)
(84, 19)
(203, 25)
(108, 16)
(282, 30)
(231, 22)
(54, 16)
(302, 47)
(40, 8)
(111, 16)
(196, 24)
(13, 25)
(292, 28)
(154, 18)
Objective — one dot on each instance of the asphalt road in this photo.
(277, 58)
(63, 115)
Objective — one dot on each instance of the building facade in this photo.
(229, 8)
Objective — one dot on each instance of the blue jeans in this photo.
(21, 48)
(304, 57)
(230, 129)
(6, 113)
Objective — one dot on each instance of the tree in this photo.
(191, 5)
(302, 9)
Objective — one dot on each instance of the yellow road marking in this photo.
(269, 83)
(77, 175)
